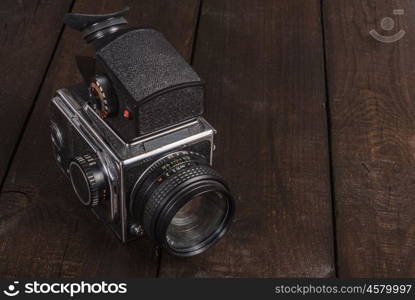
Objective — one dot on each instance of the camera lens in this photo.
(183, 203)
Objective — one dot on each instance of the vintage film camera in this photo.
(132, 142)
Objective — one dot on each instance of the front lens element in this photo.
(197, 221)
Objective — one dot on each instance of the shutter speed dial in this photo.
(88, 179)
(103, 98)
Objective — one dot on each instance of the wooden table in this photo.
(316, 123)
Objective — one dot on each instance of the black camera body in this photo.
(132, 142)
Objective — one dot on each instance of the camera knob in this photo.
(88, 179)
(103, 98)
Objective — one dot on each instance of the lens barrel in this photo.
(183, 203)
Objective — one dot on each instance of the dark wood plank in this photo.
(371, 88)
(29, 32)
(44, 230)
(263, 65)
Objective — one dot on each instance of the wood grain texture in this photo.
(29, 32)
(263, 66)
(44, 230)
(371, 92)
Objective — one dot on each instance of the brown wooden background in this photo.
(316, 124)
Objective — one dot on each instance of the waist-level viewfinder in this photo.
(138, 82)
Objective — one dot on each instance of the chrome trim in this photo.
(80, 121)
(162, 133)
(186, 141)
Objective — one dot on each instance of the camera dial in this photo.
(103, 99)
(88, 179)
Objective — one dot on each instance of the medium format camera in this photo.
(132, 142)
